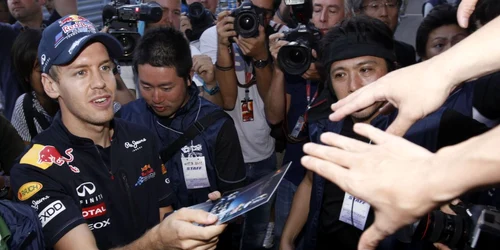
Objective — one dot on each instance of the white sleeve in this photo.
(208, 43)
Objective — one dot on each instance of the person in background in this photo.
(11, 147)
(387, 11)
(34, 109)
(28, 13)
(4, 12)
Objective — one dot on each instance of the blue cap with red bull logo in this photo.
(66, 37)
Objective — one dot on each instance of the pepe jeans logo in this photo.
(43, 58)
(135, 144)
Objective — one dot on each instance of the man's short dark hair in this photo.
(164, 47)
(357, 5)
(365, 28)
(440, 15)
(24, 55)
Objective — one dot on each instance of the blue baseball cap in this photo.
(66, 37)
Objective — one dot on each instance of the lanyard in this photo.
(308, 93)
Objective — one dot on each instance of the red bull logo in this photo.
(44, 156)
(146, 170)
(72, 18)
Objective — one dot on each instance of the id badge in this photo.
(299, 126)
(247, 110)
(195, 172)
(359, 213)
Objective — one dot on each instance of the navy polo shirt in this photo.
(9, 84)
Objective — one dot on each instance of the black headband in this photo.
(350, 47)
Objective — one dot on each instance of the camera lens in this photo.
(246, 22)
(294, 59)
(196, 10)
(128, 44)
(448, 229)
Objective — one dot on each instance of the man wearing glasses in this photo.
(387, 11)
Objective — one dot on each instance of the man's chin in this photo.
(364, 115)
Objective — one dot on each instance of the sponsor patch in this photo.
(50, 212)
(99, 225)
(94, 211)
(45, 156)
(163, 169)
(35, 203)
(29, 189)
(146, 174)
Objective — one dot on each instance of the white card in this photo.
(195, 172)
(359, 213)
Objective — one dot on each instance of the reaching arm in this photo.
(428, 84)
(401, 180)
(276, 101)
(298, 213)
(123, 94)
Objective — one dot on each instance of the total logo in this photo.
(99, 225)
(146, 174)
(94, 211)
(50, 212)
(45, 156)
(87, 191)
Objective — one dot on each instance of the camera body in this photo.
(296, 57)
(474, 227)
(201, 19)
(247, 20)
(122, 17)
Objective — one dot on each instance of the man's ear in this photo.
(50, 86)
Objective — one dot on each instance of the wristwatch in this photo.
(261, 63)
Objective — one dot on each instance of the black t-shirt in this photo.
(453, 128)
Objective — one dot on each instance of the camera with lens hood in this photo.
(201, 19)
(295, 58)
(122, 17)
(247, 20)
(473, 227)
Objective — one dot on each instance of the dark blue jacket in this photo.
(24, 226)
(202, 145)
(461, 99)
(423, 133)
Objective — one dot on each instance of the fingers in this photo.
(376, 135)
(222, 15)
(371, 237)
(464, 12)
(214, 195)
(330, 171)
(105, 29)
(351, 104)
(400, 125)
(336, 140)
(276, 36)
(196, 216)
(331, 154)
(440, 246)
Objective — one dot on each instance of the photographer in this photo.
(28, 14)
(288, 100)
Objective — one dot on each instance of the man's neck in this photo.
(33, 23)
(367, 121)
(99, 134)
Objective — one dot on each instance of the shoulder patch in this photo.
(43, 157)
(29, 189)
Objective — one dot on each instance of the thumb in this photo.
(371, 237)
(196, 216)
(400, 125)
(464, 12)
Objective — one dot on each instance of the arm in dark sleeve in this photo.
(486, 98)
(456, 127)
(59, 213)
(11, 145)
(231, 172)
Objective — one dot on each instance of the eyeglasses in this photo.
(376, 6)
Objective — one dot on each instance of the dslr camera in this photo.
(247, 19)
(201, 19)
(296, 57)
(122, 17)
(474, 227)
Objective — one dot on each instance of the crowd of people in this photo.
(96, 158)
